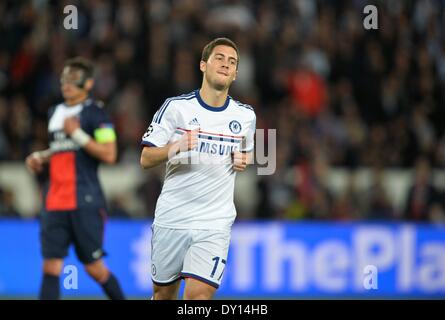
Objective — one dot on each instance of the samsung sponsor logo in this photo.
(61, 142)
(215, 148)
(207, 153)
(63, 145)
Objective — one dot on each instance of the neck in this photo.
(76, 100)
(212, 97)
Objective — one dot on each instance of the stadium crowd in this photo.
(339, 95)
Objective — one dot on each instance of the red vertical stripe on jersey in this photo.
(62, 187)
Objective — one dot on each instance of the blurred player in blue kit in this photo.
(204, 137)
(81, 136)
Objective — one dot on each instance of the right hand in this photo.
(34, 163)
(70, 124)
(188, 141)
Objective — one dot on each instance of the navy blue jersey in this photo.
(73, 178)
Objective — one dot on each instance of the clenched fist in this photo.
(240, 160)
(188, 141)
(70, 124)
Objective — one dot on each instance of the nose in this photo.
(225, 63)
(66, 86)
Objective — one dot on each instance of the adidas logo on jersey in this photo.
(194, 122)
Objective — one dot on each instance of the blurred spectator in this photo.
(116, 208)
(4, 141)
(349, 204)
(308, 91)
(149, 191)
(312, 190)
(7, 208)
(423, 199)
(379, 206)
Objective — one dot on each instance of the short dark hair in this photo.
(83, 64)
(208, 49)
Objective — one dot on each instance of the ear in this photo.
(203, 66)
(234, 77)
(88, 84)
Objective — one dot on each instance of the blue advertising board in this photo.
(266, 260)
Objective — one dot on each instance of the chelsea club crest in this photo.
(235, 126)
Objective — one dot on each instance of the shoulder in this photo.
(172, 104)
(94, 108)
(52, 110)
(94, 105)
(243, 106)
(177, 100)
(95, 111)
(246, 109)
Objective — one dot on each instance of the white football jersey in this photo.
(199, 184)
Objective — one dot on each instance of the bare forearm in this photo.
(43, 155)
(153, 156)
(105, 152)
(35, 161)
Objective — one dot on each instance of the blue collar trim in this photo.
(206, 106)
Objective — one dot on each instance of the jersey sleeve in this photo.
(102, 127)
(248, 142)
(161, 128)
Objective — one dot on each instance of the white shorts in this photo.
(183, 253)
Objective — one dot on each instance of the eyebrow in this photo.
(222, 54)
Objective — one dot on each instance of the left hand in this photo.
(239, 161)
(70, 124)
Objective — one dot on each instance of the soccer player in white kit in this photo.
(204, 137)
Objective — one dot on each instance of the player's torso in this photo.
(73, 177)
(199, 184)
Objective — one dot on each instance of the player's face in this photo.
(220, 69)
(69, 81)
